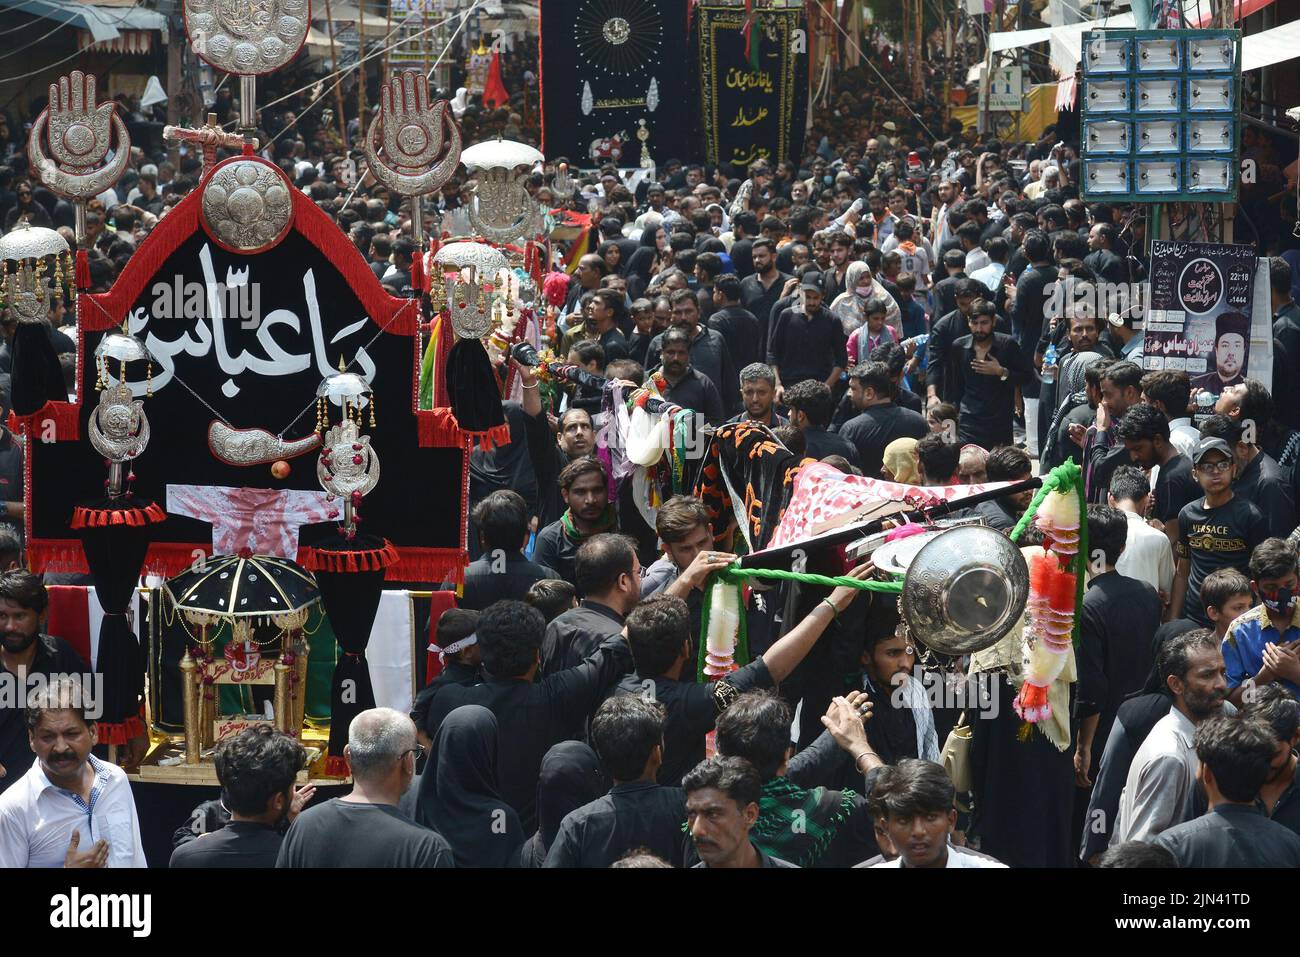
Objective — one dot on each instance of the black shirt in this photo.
(944, 331)
(1216, 538)
(996, 514)
(576, 634)
(818, 443)
(804, 347)
(346, 834)
(498, 575)
(986, 402)
(1232, 835)
(875, 428)
(638, 347)
(548, 460)
(696, 392)
(1119, 616)
(1267, 485)
(632, 815)
(1027, 314)
(691, 709)
(759, 300)
(53, 656)
(743, 335)
(533, 716)
(1175, 487)
(709, 357)
(238, 844)
(615, 344)
(1286, 809)
(556, 550)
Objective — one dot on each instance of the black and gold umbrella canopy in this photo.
(259, 588)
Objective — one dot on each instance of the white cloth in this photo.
(37, 819)
(1183, 435)
(976, 260)
(1160, 790)
(990, 275)
(265, 521)
(1147, 555)
(391, 652)
(957, 858)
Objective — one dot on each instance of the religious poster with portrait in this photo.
(753, 85)
(607, 66)
(1199, 317)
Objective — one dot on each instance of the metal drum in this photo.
(965, 590)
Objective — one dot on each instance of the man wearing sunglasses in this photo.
(1217, 531)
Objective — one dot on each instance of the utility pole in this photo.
(338, 85)
(175, 50)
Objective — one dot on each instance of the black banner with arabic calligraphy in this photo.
(607, 66)
(255, 362)
(749, 113)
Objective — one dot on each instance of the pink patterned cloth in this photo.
(264, 521)
(822, 492)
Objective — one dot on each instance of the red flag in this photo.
(494, 91)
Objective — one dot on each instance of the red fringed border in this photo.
(119, 733)
(414, 563)
(82, 270)
(347, 562)
(439, 429)
(100, 517)
(66, 417)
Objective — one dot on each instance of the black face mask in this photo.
(16, 643)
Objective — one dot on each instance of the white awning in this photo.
(1272, 46)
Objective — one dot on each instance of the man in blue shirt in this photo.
(1261, 646)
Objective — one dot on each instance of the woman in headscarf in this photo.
(570, 777)
(613, 256)
(459, 797)
(641, 264)
(900, 462)
(859, 286)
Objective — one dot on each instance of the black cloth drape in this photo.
(472, 387)
(115, 555)
(351, 600)
(37, 376)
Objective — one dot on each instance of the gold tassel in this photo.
(372, 410)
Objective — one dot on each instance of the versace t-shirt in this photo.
(1214, 538)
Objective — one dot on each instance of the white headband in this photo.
(454, 647)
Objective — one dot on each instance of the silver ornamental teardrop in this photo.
(652, 95)
(588, 101)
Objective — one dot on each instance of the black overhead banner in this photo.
(754, 106)
(606, 66)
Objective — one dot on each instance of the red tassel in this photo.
(82, 270)
(83, 517)
(63, 556)
(119, 732)
(348, 562)
(417, 273)
(65, 417)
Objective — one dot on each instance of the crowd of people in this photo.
(908, 301)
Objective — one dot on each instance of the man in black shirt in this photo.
(685, 385)
(945, 290)
(456, 646)
(550, 454)
(706, 349)
(603, 312)
(533, 714)
(722, 807)
(256, 769)
(1103, 452)
(585, 488)
(1006, 464)
(1218, 531)
(1102, 260)
(1027, 312)
(736, 324)
(1259, 478)
(627, 733)
(1279, 798)
(984, 369)
(25, 651)
(502, 572)
(808, 344)
(944, 331)
(1118, 618)
(880, 421)
(659, 632)
(810, 412)
(1144, 430)
(365, 828)
(608, 573)
(758, 396)
(759, 291)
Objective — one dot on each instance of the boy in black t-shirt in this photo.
(1217, 531)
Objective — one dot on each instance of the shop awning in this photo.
(105, 22)
(1272, 46)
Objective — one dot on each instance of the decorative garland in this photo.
(1056, 579)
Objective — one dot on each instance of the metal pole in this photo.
(338, 87)
(248, 106)
(361, 70)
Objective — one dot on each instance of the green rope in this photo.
(737, 575)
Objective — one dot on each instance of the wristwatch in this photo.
(1003, 377)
